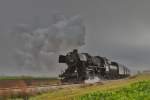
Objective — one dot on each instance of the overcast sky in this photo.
(117, 29)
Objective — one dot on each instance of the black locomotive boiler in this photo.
(82, 66)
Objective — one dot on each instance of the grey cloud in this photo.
(118, 29)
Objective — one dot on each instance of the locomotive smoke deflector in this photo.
(62, 59)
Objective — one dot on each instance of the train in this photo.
(83, 66)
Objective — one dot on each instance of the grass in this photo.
(135, 91)
(77, 92)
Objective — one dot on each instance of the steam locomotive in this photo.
(82, 66)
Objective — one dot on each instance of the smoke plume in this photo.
(37, 48)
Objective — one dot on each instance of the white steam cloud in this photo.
(37, 47)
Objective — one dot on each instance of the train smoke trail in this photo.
(37, 47)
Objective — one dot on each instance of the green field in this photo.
(135, 91)
(134, 88)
